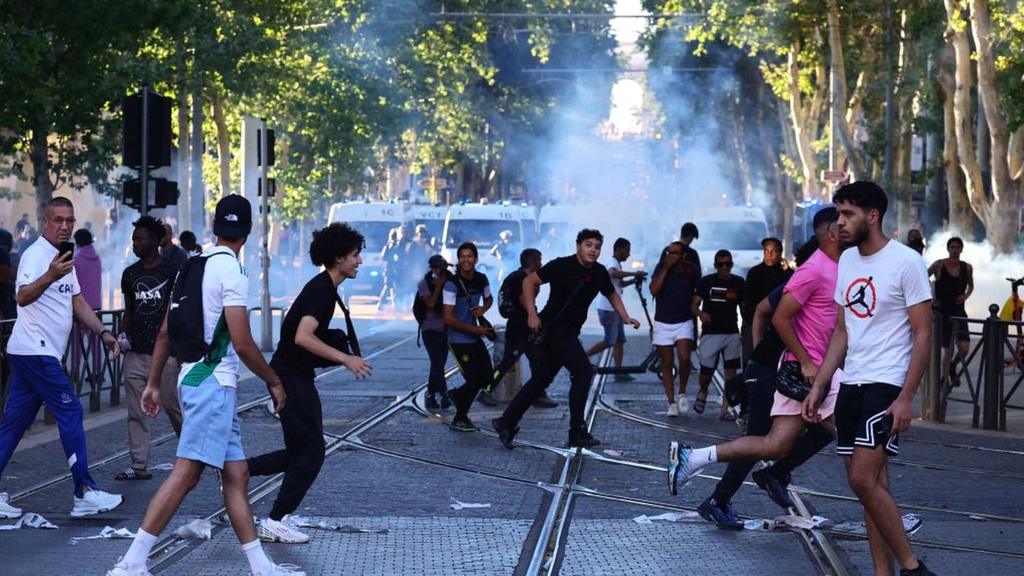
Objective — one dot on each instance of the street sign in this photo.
(833, 175)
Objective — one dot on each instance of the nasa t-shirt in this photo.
(43, 327)
(875, 292)
(146, 293)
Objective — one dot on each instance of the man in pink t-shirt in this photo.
(804, 320)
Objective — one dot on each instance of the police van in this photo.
(738, 229)
(430, 215)
(482, 224)
(374, 220)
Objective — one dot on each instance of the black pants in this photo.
(436, 343)
(516, 345)
(559, 349)
(475, 364)
(303, 454)
(760, 382)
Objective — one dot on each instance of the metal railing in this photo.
(991, 371)
(88, 366)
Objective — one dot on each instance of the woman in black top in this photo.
(673, 285)
(303, 345)
(954, 283)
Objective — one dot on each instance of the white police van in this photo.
(482, 224)
(738, 229)
(374, 220)
(430, 215)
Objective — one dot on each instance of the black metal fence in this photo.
(990, 373)
(91, 370)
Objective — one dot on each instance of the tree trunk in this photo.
(223, 142)
(960, 218)
(801, 122)
(197, 185)
(854, 157)
(184, 154)
(904, 99)
(39, 154)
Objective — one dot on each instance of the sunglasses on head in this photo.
(723, 264)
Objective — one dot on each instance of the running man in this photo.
(720, 294)
(575, 281)
(954, 284)
(48, 297)
(210, 435)
(673, 287)
(614, 332)
(303, 346)
(467, 297)
(882, 339)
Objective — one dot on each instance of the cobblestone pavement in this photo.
(399, 480)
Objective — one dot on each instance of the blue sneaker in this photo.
(775, 488)
(722, 516)
(678, 462)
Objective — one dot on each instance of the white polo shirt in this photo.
(43, 327)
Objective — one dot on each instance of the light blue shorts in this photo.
(209, 430)
(614, 331)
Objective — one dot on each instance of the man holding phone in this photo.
(48, 297)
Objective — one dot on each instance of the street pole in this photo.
(889, 118)
(264, 187)
(144, 168)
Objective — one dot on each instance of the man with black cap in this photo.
(433, 329)
(210, 435)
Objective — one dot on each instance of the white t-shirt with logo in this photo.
(224, 284)
(875, 292)
(43, 327)
(604, 303)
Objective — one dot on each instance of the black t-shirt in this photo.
(691, 256)
(566, 275)
(770, 348)
(672, 304)
(761, 280)
(146, 293)
(721, 298)
(317, 299)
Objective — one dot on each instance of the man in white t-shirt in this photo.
(48, 296)
(883, 333)
(210, 434)
(614, 331)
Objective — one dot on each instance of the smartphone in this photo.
(66, 248)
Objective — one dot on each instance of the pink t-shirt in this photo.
(813, 285)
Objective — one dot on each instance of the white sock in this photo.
(139, 551)
(701, 457)
(258, 560)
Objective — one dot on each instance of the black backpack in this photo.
(419, 307)
(508, 304)
(185, 323)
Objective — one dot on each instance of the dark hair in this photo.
(153, 226)
(58, 201)
(772, 240)
(588, 234)
(187, 237)
(806, 250)
(620, 243)
(864, 195)
(467, 246)
(526, 255)
(83, 237)
(689, 229)
(336, 240)
(956, 239)
(723, 253)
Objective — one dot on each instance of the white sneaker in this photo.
(6, 510)
(282, 569)
(673, 410)
(121, 569)
(683, 404)
(95, 502)
(270, 530)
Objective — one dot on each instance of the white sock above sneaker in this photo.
(258, 560)
(701, 457)
(139, 551)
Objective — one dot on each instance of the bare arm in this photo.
(60, 266)
(658, 282)
(782, 321)
(531, 287)
(970, 283)
(834, 356)
(762, 317)
(306, 338)
(934, 268)
(921, 330)
(619, 307)
(237, 318)
(435, 294)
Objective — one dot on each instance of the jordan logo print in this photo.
(861, 297)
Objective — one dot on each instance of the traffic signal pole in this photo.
(144, 151)
(267, 333)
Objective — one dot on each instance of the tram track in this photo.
(165, 438)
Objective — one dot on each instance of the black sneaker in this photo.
(722, 516)
(921, 570)
(505, 432)
(545, 401)
(446, 403)
(486, 399)
(775, 488)
(462, 424)
(431, 403)
(580, 438)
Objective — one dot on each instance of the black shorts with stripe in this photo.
(860, 410)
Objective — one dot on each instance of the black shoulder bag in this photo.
(790, 381)
(538, 338)
(346, 342)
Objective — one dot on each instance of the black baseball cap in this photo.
(233, 217)
(437, 261)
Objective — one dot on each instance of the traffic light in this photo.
(159, 128)
(162, 193)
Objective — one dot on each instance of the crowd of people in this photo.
(831, 350)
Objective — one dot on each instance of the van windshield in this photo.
(434, 227)
(376, 234)
(483, 233)
(730, 235)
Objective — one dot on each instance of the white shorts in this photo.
(669, 334)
